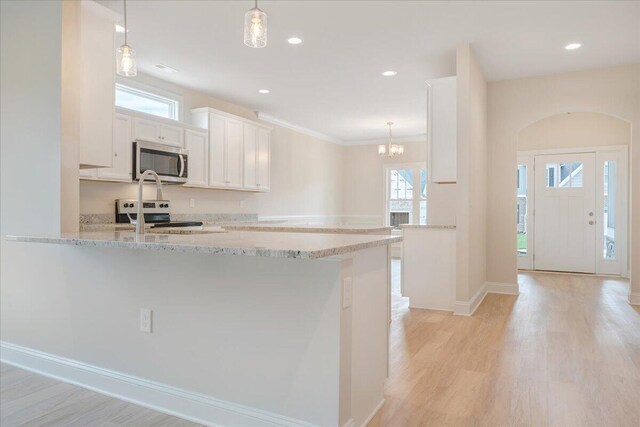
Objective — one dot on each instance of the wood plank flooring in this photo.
(29, 399)
(565, 352)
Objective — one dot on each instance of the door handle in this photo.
(590, 213)
(181, 157)
(591, 222)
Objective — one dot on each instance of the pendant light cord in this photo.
(126, 29)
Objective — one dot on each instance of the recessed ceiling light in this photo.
(573, 46)
(389, 73)
(264, 91)
(294, 40)
(166, 68)
(119, 28)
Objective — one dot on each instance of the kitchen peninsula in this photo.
(248, 327)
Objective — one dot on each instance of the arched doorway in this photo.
(572, 194)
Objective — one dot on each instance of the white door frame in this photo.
(617, 153)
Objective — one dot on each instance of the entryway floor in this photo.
(565, 352)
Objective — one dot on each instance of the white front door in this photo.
(565, 206)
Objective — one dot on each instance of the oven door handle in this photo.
(181, 165)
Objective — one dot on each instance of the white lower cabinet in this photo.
(122, 148)
(197, 142)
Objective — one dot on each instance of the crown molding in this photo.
(421, 138)
(274, 120)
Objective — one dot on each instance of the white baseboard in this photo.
(467, 308)
(372, 414)
(502, 288)
(634, 298)
(170, 400)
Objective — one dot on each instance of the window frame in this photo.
(415, 167)
(153, 93)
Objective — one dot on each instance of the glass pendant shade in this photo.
(382, 149)
(126, 61)
(255, 28)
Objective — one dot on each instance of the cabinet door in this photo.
(171, 135)
(122, 147)
(233, 153)
(250, 156)
(146, 130)
(198, 145)
(216, 151)
(263, 159)
(95, 83)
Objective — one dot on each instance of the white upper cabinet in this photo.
(162, 133)
(122, 151)
(441, 130)
(238, 150)
(250, 156)
(95, 82)
(197, 142)
(233, 153)
(217, 167)
(263, 162)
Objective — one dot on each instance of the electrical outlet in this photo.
(145, 320)
(347, 292)
(192, 203)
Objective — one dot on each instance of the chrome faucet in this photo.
(140, 213)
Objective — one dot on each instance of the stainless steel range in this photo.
(156, 212)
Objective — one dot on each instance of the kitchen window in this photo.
(406, 194)
(155, 102)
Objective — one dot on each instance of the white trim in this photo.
(572, 150)
(372, 414)
(170, 400)
(300, 129)
(467, 308)
(502, 288)
(350, 423)
(411, 139)
(634, 298)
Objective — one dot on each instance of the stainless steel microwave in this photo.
(170, 163)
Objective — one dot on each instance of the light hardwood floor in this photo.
(565, 352)
(28, 399)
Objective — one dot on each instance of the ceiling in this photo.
(332, 82)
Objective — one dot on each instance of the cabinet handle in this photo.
(227, 182)
(115, 154)
(258, 185)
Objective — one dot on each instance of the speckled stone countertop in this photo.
(309, 228)
(247, 243)
(442, 227)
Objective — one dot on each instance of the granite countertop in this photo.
(308, 228)
(247, 243)
(442, 227)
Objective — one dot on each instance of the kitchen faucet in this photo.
(140, 213)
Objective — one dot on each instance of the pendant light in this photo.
(390, 149)
(125, 55)
(255, 27)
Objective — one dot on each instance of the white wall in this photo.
(471, 205)
(516, 104)
(306, 173)
(575, 130)
(31, 42)
(364, 184)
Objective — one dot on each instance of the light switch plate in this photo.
(347, 292)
